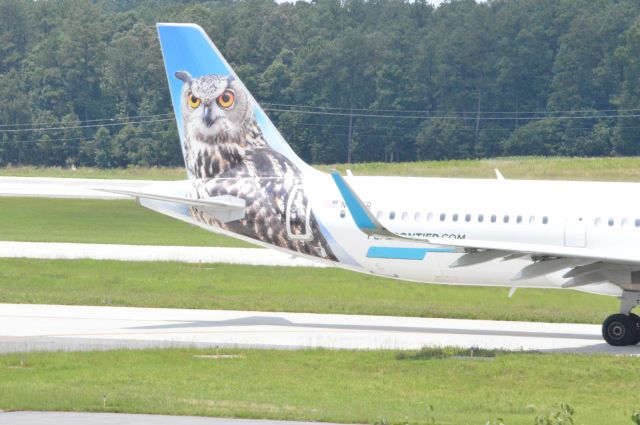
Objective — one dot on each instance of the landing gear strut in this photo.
(623, 328)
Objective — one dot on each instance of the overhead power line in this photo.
(22, 130)
(436, 112)
(123, 119)
(469, 116)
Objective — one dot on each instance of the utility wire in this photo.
(448, 117)
(22, 130)
(123, 119)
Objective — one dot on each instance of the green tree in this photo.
(443, 138)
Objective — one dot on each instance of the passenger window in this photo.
(430, 217)
(443, 216)
(467, 218)
(480, 218)
(493, 218)
(379, 215)
(624, 222)
(392, 215)
(405, 215)
(342, 213)
(532, 219)
(455, 217)
(545, 219)
(506, 219)
(611, 222)
(637, 222)
(417, 216)
(519, 219)
(598, 220)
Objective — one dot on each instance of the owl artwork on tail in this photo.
(226, 154)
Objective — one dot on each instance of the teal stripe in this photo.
(403, 253)
(356, 209)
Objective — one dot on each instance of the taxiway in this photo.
(26, 327)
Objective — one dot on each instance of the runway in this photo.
(77, 418)
(186, 254)
(26, 327)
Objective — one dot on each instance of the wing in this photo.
(586, 266)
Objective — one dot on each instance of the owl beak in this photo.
(208, 116)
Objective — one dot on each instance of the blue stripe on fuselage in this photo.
(403, 253)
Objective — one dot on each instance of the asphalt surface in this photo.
(72, 418)
(26, 327)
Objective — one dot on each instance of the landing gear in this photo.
(623, 328)
(619, 330)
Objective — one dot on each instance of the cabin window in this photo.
(416, 216)
(392, 215)
(532, 219)
(519, 219)
(597, 221)
(443, 216)
(405, 215)
(611, 222)
(455, 217)
(637, 222)
(342, 213)
(467, 218)
(493, 218)
(624, 222)
(545, 219)
(506, 219)
(379, 215)
(430, 217)
(480, 218)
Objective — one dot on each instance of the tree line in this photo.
(82, 82)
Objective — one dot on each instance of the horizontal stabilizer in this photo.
(224, 208)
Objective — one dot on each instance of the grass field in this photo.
(98, 221)
(603, 169)
(233, 287)
(319, 385)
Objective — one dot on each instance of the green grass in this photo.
(320, 385)
(98, 221)
(555, 168)
(131, 173)
(537, 168)
(293, 289)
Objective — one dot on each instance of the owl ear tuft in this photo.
(184, 76)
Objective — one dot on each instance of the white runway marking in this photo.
(52, 327)
(186, 254)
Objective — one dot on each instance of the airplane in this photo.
(245, 181)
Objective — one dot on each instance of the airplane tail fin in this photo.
(217, 117)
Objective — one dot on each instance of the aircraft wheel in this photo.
(636, 320)
(619, 330)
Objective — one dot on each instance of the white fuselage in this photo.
(603, 216)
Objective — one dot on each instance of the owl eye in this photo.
(194, 102)
(226, 99)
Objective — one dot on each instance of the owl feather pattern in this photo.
(227, 154)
